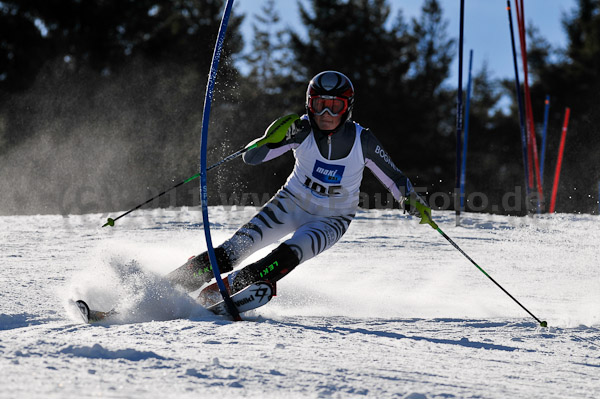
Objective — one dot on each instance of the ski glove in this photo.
(299, 126)
(416, 206)
(277, 131)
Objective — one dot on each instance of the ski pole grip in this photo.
(277, 130)
(424, 212)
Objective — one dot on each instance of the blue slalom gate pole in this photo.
(459, 126)
(210, 87)
(543, 156)
(463, 169)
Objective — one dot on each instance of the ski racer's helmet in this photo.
(332, 92)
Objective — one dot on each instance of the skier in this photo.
(319, 199)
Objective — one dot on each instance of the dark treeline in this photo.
(101, 102)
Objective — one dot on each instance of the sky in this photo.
(486, 29)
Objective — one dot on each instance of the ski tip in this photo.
(544, 324)
(84, 310)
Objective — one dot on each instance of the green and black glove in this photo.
(281, 131)
(417, 206)
(278, 130)
(299, 126)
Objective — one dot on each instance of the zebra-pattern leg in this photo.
(318, 235)
(278, 218)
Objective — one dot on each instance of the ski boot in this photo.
(197, 270)
(269, 269)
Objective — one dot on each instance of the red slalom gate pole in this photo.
(519, 98)
(534, 163)
(561, 151)
(527, 129)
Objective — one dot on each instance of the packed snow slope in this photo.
(391, 311)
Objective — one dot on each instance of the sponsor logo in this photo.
(261, 293)
(269, 269)
(204, 270)
(327, 173)
(386, 158)
(196, 262)
(244, 301)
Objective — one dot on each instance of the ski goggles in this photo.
(334, 105)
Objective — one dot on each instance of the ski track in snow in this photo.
(391, 311)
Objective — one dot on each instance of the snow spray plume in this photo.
(426, 219)
(127, 287)
(73, 143)
(274, 134)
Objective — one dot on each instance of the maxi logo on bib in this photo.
(330, 174)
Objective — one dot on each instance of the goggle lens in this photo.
(335, 105)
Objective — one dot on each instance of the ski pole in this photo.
(111, 221)
(541, 323)
(426, 219)
(273, 134)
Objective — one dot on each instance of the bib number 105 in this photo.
(321, 189)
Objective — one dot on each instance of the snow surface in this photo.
(391, 311)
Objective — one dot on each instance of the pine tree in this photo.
(431, 105)
(270, 58)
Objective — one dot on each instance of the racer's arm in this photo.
(297, 132)
(384, 169)
(382, 166)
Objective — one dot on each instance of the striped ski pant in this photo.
(311, 234)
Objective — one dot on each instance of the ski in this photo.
(251, 297)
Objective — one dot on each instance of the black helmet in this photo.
(331, 92)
